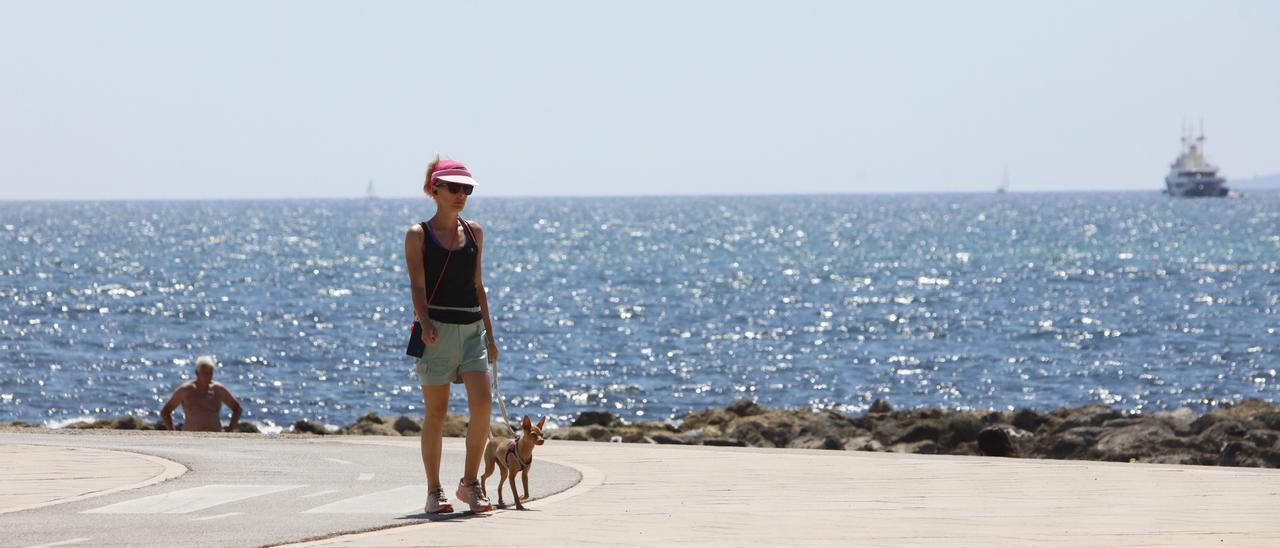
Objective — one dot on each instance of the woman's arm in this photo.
(484, 300)
(418, 280)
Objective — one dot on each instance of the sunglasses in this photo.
(457, 187)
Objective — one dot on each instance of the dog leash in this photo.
(502, 406)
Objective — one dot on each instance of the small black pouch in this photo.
(416, 346)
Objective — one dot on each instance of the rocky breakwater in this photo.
(370, 424)
(1244, 434)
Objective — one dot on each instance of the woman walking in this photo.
(449, 301)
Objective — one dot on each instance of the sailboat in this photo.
(1004, 182)
(369, 193)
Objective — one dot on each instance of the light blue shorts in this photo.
(459, 348)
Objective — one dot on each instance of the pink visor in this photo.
(451, 171)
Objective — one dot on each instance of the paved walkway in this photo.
(34, 476)
(645, 495)
(241, 490)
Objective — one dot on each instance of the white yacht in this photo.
(1191, 175)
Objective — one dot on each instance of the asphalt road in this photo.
(245, 490)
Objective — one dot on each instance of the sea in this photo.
(652, 307)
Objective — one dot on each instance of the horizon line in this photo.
(592, 196)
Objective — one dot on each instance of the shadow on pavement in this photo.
(454, 516)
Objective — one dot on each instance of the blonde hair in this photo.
(204, 362)
(431, 168)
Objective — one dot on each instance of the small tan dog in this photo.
(512, 456)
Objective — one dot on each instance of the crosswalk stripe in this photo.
(219, 516)
(319, 493)
(59, 543)
(391, 501)
(365, 477)
(190, 500)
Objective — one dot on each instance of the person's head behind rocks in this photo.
(995, 442)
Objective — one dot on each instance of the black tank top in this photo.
(457, 289)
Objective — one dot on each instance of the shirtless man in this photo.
(202, 401)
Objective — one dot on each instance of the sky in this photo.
(301, 99)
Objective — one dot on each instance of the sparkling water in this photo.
(650, 307)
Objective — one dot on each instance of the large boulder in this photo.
(407, 426)
(808, 441)
(724, 443)
(631, 436)
(1138, 438)
(569, 434)
(1076, 443)
(1270, 419)
(668, 439)
(926, 447)
(880, 407)
(1029, 420)
(597, 418)
(759, 433)
(925, 430)
(1264, 439)
(822, 424)
(995, 441)
(88, 425)
(1089, 415)
(304, 426)
(1219, 433)
(960, 428)
(594, 432)
(891, 429)
(745, 408)
(130, 422)
(1181, 457)
(247, 428)
(1179, 420)
(371, 424)
(863, 443)
(455, 426)
(1247, 409)
(1227, 422)
(1241, 453)
(599, 433)
(709, 419)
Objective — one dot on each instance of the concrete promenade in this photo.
(239, 489)
(35, 476)
(649, 495)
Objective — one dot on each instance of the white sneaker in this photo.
(437, 503)
(470, 493)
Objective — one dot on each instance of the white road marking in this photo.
(219, 516)
(190, 500)
(318, 494)
(389, 502)
(365, 477)
(59, 543)
(339, 461)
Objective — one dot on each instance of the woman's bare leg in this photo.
(435, 401)
(480, 403)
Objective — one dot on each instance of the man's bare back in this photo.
(201, 402)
